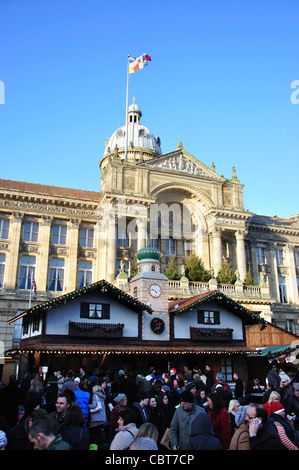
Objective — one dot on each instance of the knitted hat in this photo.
(276, 407)
(284, 377)
(77, 379)
(240, 415)
(296, 386)
(119, 397)
(166, 388)
(187, 396)
(189, 385)
(3, 439)
(173, 370)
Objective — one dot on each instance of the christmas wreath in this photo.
(157, 326)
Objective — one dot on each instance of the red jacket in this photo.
(221, 427)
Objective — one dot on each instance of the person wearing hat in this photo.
(292, 409)
(283, 426)
(121, 404)
(221, 381)
(285, 389)
(180, 426)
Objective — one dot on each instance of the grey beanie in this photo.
(240, 415)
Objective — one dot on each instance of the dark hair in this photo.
(261, 411)
(128, 416)
(218, 403)
(74, 416)
(41, 425)
(187, 396)
(69, 395)
(38, 414)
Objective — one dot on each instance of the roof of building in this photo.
(100, 286)
(46, 190)
(185, 305)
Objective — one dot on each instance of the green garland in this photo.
(157, 325)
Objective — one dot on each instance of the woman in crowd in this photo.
(126, 430)
(219, 418)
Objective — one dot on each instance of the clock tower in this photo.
(150, 286)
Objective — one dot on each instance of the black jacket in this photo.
(267, 438)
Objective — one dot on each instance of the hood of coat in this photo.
(201, 425)
(131, 427)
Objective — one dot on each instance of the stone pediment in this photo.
(182, 162)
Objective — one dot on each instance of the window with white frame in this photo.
(30, 232)
(208, 317)
(26, 272)
(56, 275)
(95, 310)
(86, 237)
(2, 268)
(58, 235)
(261, 255)
(296, 258)
(279, 257)
(84, 274)
(282, 290)
(4, 228)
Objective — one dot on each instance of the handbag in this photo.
(98, 405)
(165, 440)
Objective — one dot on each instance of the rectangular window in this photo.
(58, 236)
(290, 326)
(227, 368)
(95, 310)
(56, 275)
(17, 332)
(279, 257)
(186, 248)
(86, 237)
(30, 232)
(282, 290)
(208, 317)
(27, 271)
(296, 258)
(261, 256)
(2, 268)
(84, 274)
(4, 228)
(170, 246)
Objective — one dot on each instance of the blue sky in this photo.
(219, 82)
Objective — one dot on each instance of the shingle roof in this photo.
(42, 189)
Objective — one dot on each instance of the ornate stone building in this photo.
(68, 238)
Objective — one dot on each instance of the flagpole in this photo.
(30, 290)
(127, 104)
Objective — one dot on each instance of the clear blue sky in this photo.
(219, 81)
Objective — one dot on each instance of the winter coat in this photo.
(180, 426)
(277, 418)
(293, 407)
(123, 437)
(221, 427)
(76, 436)
(202, 434)
(97, 410)
(68, 384)
(82, 399)
(240, 439)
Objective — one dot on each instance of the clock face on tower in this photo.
(155, 290)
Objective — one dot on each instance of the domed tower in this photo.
(150, 286)
(142, 144)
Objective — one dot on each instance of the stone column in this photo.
(43, 262)
(217, 244)
(12, 262)
(111, 244)
(241, 258)
(142, 233)
(291, 278)
(72, 260)
(101, 256)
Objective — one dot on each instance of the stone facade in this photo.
(68, 237)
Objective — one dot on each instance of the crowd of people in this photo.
(191, 410)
